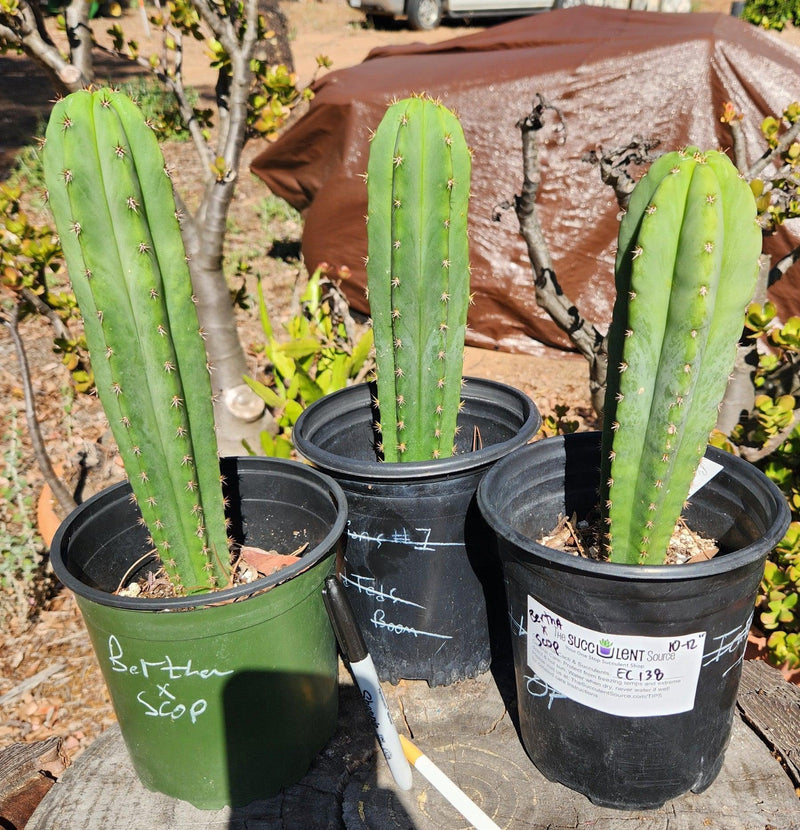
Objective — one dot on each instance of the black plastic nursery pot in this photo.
(419, 565)
(226, 697)
(627, 675)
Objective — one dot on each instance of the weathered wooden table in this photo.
(468, 729)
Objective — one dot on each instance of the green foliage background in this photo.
(772, 14)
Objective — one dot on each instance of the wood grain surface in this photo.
(469, 731)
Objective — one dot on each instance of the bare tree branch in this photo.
(10, 319)
(787, 139)
(25, 29)
(221, 27)
(754, 454)
(46, 311)
(550, 297)
(76, 18)
(783, 265)
(176, 86)
(241, 78)
(737, 138)
(615, 165)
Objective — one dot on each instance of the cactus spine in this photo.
(115, 213)
(418, 182)
(685, 270)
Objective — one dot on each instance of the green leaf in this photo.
(309, 389)
(276, 446)
(283, 447)
(263, 314)
(268, 395)
(284, 365)
(293, 410)
(300, 347)
(361, 352)
(339, 371)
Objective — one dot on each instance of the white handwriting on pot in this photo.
(400, 536)
(367, 585)
(148, 668)
(731, 642)
(169, 707)
(379, 621)
(159, 700)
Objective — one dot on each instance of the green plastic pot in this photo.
(224, 698)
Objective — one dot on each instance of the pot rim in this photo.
(353, 398)
(253, 464)
(637, 573)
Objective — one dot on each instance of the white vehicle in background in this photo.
(427, 14)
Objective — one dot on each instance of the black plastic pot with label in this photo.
(420, 567)
(627, 675)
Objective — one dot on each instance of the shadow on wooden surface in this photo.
(467, 731)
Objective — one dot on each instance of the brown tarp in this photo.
(611, 73)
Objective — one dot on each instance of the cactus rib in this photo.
(418, 275)
(686, 268)
(115, 213)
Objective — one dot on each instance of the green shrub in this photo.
(319, 357)
(21, 548)
(769, 436)
(159, 107)
(32, 275)
(772, 14)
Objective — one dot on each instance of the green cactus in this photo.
(418, 182)
(686, 268)
(115, 213)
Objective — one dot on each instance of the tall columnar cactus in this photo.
(686, 268)
(115, 213)
(418, 275)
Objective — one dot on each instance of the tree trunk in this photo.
(277, 47)
(240, 413)
(26, 30)
(740, 394)
(80, 37)
(585, 336)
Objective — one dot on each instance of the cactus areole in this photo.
(418, 181)
(686, 268)
(115, 212)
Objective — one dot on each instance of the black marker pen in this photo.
(355, 652)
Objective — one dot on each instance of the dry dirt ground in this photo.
(49, 682)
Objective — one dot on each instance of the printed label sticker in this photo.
(614, 673)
